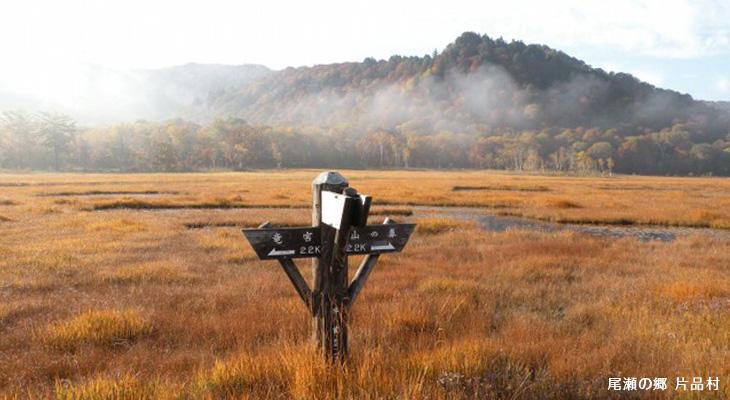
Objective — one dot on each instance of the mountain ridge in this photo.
(475, 80)
(476, 84)
(480, 103)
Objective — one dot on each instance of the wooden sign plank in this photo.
(379, 238)
(272, 243)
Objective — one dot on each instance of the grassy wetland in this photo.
(140, 286)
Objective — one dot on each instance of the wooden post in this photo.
(329, 273)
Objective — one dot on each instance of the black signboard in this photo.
(272, 243)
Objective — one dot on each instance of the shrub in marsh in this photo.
(221, 201)
(125, 388)
(721, 224)
(480, 369)
(222, 241)
(12, 312)
(409, 324)
(701, 289)
(62, 202)
(154, 272)
(432, 226)
(125, 202)
(561, 203)
(392, 211)
(703, 215)
(242, 374)
(446, 285)
(290, 371)
(227, 379)
(122, 225)
(5, 201)
(102, 327)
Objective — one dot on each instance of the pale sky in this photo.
(677, 44)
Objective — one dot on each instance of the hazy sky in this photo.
(678, 44)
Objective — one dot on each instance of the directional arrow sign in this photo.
(272, 243)
(379, 238)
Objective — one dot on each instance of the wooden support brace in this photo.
(361, 276)
(296, 278)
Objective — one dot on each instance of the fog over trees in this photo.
(51, 141)
(480, 103)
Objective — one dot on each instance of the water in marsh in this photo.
(497, 223)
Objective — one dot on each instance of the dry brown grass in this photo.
(120, 225)
(152, 272)
(392, 211)
(4, 201)
(103, 327)
(560, 203)
(132, 304)
(123, 388)
(720, 224)
(432, 226)
(640, 200)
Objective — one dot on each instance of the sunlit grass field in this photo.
(141, 286)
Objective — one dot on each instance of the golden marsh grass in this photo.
(102, 327)
(170, 302)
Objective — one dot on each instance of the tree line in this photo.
(53, 141)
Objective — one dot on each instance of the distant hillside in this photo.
(162, 93)
(475, 82)
(722, 106)
(191, 83)
(480, 103)
(102, 95)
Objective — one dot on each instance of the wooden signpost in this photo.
(339, 228)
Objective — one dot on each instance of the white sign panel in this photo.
(333, 207)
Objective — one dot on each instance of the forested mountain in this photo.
(475, 81)
(480, 103)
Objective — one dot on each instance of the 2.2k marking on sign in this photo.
(271, 243)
